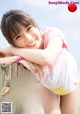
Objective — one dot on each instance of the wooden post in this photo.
(22, 88)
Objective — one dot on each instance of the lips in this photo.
(33, 43)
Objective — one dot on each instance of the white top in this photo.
(61, 76)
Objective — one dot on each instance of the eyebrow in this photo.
(15, 35)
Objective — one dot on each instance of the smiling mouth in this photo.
(33, 43)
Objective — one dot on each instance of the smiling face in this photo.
(20, 30)
(28, 37)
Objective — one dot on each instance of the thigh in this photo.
(68, 102)
(50, 101)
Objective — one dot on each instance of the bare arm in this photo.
(42, 56)
(8, 59)
(34, 68)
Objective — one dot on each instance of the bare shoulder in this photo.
(54, 30)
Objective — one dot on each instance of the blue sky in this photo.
(49, 15)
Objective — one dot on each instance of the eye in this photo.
(18, 36)
(29, 28)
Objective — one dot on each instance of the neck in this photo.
(42, 42)
(42, 46)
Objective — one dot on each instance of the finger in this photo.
(33, 66)
(25, 63)
(40, 72)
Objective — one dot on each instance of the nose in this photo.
(28, 38)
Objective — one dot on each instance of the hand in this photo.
(6, 60)
(39, 71)
(34, 68)
(5, 52)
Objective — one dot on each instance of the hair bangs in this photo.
(14, 25)
(13, 28)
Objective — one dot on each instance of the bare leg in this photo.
(50, 101)
(68, 102)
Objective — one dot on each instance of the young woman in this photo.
(47, 53)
